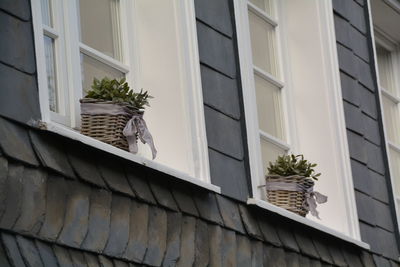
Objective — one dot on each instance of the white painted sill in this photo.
(268, 206)
(67, 132)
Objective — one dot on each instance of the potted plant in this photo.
(112, 113)
(290, 185)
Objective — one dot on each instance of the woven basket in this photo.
(289, 200)
(105, 127)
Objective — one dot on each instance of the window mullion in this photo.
(262, 14)
(268, 77)
(270, 138)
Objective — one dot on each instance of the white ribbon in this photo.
(135, 127)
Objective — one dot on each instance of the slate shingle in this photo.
(137, 179)
(19, 8)
(174, 229)
(215, 13)
(366, 259)
(163, 195)
(368, 101)
(350, 89)
(243, 252)
(250, 222)
(347, 62)
(206, 204)
(15, 143)
(202, 250)
(138, 232)
(383, 215)
(364, 73)
(76, 215)
(274, 256)
(12, 250)
(187, 249)
(215, 238)
(228, 248)
(99, 220)
(157, 241)
(3, 256)
(63, 257)
(268, 231)
(336, 253)
(257, 253)
(357, 147)
(33, 200)
(29, 252)
(230, 214)
(185, 201)
(56, 197)
(92, 260)
(341, 7)
(77, 257)
(352, 258)
(3, 184)
(105, 262)
(292, 259)
(381, 261)
(118, 263)
(119, 226)
(306, 245)
(354, 118)
(375, 157)
(287, 238)
(323, 250)
(46, 254)
(304, 261)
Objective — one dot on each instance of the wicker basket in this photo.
(289, 200)
(106, 127)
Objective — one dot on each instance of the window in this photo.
(293, 102)
(151, 43)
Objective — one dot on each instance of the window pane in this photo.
(46, 12)
(92, 68)
(385, 69)
(269, 108)
(262, 44)
(395, 168)
(392, 120)
(51, 73)
(269, 153)
(265, 5)
(100, 27)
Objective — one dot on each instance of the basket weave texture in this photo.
(106, 127)
(290, 200)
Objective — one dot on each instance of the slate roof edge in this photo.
(315, 225)
(66, 132)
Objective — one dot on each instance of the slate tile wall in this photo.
(364, 130)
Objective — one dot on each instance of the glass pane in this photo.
(100, 27)
(46, 12)
(395, 168)
(262, 44)
(269, 108)
(392, 120)
(269, 153)
(92, 68)
(385, 69)
(51, 73)
(265, 5)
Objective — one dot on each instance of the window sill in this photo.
(67, 132)
(265, 205)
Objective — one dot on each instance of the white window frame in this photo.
(333, 82)
(188, 32)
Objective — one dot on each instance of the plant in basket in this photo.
(112, 113)
(290, 185)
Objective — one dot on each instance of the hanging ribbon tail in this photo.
(311, 202)
(145, 135)
(320, 198)
(130, 133)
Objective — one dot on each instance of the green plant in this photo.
(288, 165)
(118, 92)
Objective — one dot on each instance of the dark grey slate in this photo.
(216, 50)
(357, 17)
(361, 177)
(366, 259)
(46, 254)
(56, 197)
(15, 143)
(220, 92)
(119, 226)
(76, 215)
(63, 257)
(3, 257)
(383, 215)
(77, 257)
(29, 252)
(352, 258)
(250, 222)
(81, 158)
(19, 8)
(375, 157)
(105, 262)
(350, 89)
(138, 232)
(137, 180)
(306, 245)
(292, 259)
(157, 241)
(187, 249)
(206, 204)
(287, 238)
(22, 88)
(174, 229)
(228, 250)
(50, 151)
(316, 263)
(323, 250)
(337, 255)
(229, 174)
(275, 257)
(33, 200)
(163, 196)
(268, 231)
(114, 175)
(354, 118)
(379, 189)
(243, 253)
(342, 7)
(359, 43)
(357, 147)
(364, 73)
(3, 183)
(18, 51)
(347, 62)
(257, 254)
(342, 31)
(394, 264)
(202, 249)
(304, 261)
(215, 13)
(185, 201)
(120, 264)
(380, 261)
(13, 192)
(230, 214)
(99, 220)
(92, 260)
(368, 101)
(371, 132)
(12, 250)
(385, 243)
(223, 133)
(215, 238)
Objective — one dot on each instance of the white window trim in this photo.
(337, 112)
(192, 76)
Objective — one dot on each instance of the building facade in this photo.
(235, 84)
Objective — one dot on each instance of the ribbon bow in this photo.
(136, 127)
(310, 203)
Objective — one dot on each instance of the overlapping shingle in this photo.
(230, 214)
(243, 251)
(12, 250)
(185, 201)
(163, 196)
(206, 204)
(202, 249)
(228, 248)
(157, 239)
(187, 249)
(136, 178)
(174, 229)
(46, 254)
(250, 222)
